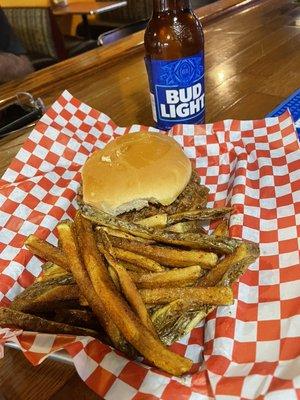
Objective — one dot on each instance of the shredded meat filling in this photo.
(193, 196)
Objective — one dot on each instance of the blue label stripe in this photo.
(177, 87)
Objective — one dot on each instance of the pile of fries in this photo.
(147, 282)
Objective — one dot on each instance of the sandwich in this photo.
(139, 175)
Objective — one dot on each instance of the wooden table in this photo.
(85, 8)
(252, 59)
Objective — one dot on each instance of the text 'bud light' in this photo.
(177, 91)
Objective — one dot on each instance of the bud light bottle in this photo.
(174, 59)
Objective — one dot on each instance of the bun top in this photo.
(133, 170)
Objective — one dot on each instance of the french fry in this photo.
(237, 269)
(128, 287)
(163, 220)
(82, 300)
(170, 312)
(193, 296)
(49, 271)
(122, 234)
(47, 295)
(186, 227)
(134, 275)
(70, 246)
(168, 256)
(178, 318)
(76, 317)
(172, 324)
(181, 277)
(120, 313)
(201, 214)
(111, 222)
(135, 259)
(114, 277)
(241, 255)
(51, 253)
(222, 229)
(156, 221)
(46, 251)
(192, 240)
(133, 268)
(197, 241)
(28, 322)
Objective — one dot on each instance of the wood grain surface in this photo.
(252, 60)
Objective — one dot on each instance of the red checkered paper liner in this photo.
(248, 350)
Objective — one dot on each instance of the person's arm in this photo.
(14, 66)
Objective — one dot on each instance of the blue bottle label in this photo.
(177, 90)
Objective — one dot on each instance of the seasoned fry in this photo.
(85, 235)
(46, 251)
(128, 287)
(178, 318)
(156, 221)
(97, 272)
(197, 241)
(47, 295)
(114, 277)
(122, 234)
(138, 260)
(169, 312)
(50, 271)
(201, 214)
(192, 240)
(173, 278)
(171, 257)
(171, 324)
(109, 221)
(241, 254)
(239, 266)
(75, 317)
(132, 268)
(135, 259)
(135, 275)
(70, 245)
(193, 296)
(120, 313)
(20, 320)
(186, 227)
(222, 229)
(82, 300)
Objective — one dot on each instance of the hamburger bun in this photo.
(134, 170)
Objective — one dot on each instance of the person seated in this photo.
(13, 60)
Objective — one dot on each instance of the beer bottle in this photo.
(174, 46)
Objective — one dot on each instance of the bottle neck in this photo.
(170, 5)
